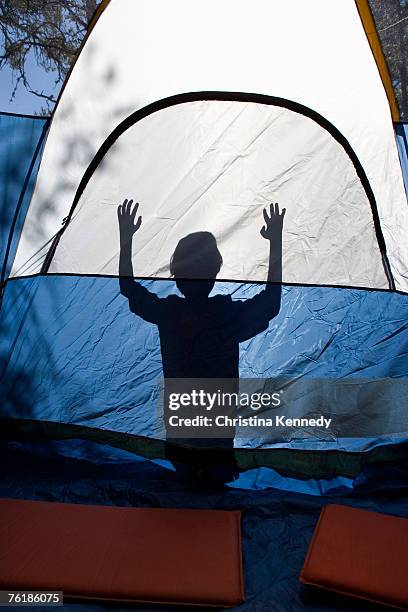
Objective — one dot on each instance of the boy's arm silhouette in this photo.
(272, 231)
(253, 315)
(141, 301)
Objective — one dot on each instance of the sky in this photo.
(24, 102)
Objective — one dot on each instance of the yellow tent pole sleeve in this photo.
(375, 44)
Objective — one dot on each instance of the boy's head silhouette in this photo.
(195, 264)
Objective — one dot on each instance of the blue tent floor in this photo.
(277, 524)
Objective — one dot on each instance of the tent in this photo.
(205, 115)
(205, 141)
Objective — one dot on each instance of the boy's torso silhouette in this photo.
(200, 338)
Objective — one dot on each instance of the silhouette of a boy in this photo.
(200, 335)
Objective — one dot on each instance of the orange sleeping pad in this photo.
(122, 554)
(359, 553)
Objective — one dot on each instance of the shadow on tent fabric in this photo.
(200, 335)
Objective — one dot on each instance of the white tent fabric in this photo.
(219, 165)
(141, 52)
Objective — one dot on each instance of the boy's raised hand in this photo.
(126, 218)
(273, 222)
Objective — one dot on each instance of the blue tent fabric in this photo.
(74, 353)
(21, 140)
(401, 131)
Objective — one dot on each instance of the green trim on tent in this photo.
(293, 463)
